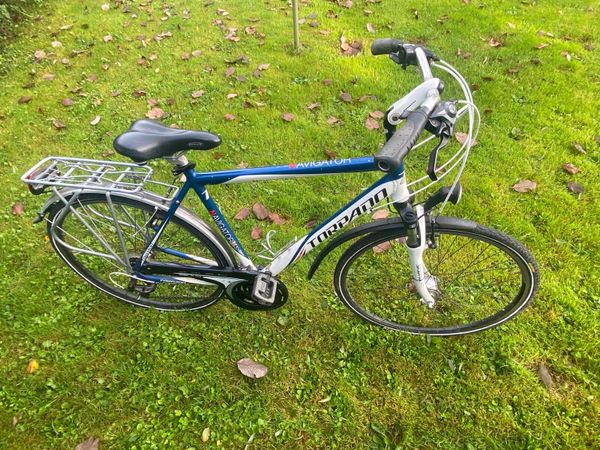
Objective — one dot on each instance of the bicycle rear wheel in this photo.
(105, 265)
(478, 276)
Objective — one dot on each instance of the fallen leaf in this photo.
(68, 102)
(92, 77)
(346, 97)
(185, 56)
(311, 223)
(462, 138)
(330, 154)
(345, 3)
(152, 102)
(139, 93)
(18, 209)
(575, 187)
(90, 443)
(380, 248)
(371, 28)
(256, 233)
(205, 434)
(376, 114)
(217, 155)
(331, 120)
(242, 165)
(287, 116)
(251, 368)
(155, 113)
(33, 365)
(545, 377)
(541, 46)
(197, 94)
(232, 35)
(276, 218)
(230, 71)
(525, 186)
(250, 30)
(494, 43)
(566, 55)
(260, 211)
(39, 55)
(381, 213)
(23, 99)
(327, 82)
(350, 48)
(229, 117)
(313, 106)
(231, 95)
(196, 53)
(242, 214)
(107, 38)
(58, 124)
(263, 67)
(579, 148)
(48, 77)
(105, 7)
(56, 44)
(95, 121)
(371, 124)
(571, 168)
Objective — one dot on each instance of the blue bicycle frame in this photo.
(390, 185)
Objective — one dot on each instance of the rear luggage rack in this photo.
(82, 173)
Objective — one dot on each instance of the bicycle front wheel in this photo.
(479, 278)
(100, 240)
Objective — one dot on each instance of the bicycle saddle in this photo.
(149, 139)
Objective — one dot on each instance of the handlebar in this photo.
(390, 156)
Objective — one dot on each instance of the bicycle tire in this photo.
(69, 230)
(363, 271)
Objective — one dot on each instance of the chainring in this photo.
(240, 294)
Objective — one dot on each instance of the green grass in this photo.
(143, 379)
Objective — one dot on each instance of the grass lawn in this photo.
(139, 378)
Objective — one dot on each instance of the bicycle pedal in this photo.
(264, 289)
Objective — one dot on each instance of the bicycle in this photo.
(108, 224)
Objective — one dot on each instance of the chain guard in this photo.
(240, 294)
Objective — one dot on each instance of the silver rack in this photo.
(83, 173)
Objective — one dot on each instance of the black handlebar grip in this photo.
(385, 46)
(391, 155)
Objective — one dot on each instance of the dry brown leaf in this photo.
(18, 209)
(23, 99)
(330, 154)
(217, 155)
(58, 124)
(250, 30)
(251, 368)
(311, 223)
(566, 54)
(229, 117)
(48, 77)
(152, 102)
(371, 124)
(376, 114)
(381, 213)
(39, 55)
(525, 186)
(380, 248)
(155, 113)
(89, 444)
(263, 67)
(276, 218)
(56, 44)
(579, 148)
(575, 187)
(287, 116)
(197, 94)
(256, 233)
(494, 43)
(231, 95)
(571, 169)
(346, 97)
(331, 120)
(230, 71)
(462, 138)
(327, 82)
(371, 28)
(107, 38)
(541, 46)
(545, 377)
(185, 56)
(68, 102)
(95, 121)
(313, 106)
(260, 211)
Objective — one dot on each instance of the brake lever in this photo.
(433, 156)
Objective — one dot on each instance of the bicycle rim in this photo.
(480, 278)
(97, 262)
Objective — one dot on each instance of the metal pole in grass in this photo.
(296, 29)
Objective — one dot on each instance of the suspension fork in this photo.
(416, 243)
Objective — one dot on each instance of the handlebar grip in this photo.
(391, 155)
(385, 46)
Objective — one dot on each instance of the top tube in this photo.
(304, 169)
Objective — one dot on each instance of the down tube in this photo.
(362, 203)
